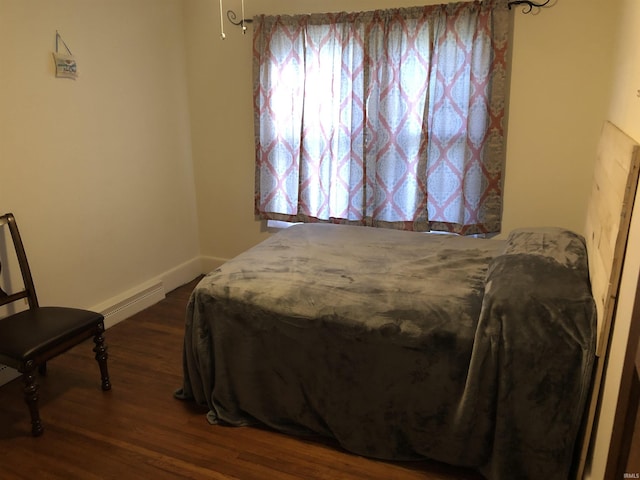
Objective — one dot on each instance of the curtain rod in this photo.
(528, 7)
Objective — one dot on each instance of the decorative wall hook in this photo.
(233, 18)
(528, 5)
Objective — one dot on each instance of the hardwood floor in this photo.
(139, 431)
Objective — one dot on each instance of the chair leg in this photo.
(101, 357)
(31, 397)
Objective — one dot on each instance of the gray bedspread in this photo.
(402, 345)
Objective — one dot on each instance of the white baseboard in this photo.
(130, 302)
(142, 296)
(184, 273)
(209, 264)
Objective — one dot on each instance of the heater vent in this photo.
(7, 374)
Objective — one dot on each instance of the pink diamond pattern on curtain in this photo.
(389, 118)
(399, 64)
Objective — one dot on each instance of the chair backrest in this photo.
(29, 292)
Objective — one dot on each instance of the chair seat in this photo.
(27, 334)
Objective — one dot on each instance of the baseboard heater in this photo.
(7, 374)
(132, 304)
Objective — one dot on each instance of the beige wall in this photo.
(98, 170)
(560, 81)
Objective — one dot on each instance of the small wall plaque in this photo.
(66, 66)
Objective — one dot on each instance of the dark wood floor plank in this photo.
(139, 430)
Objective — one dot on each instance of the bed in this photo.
(402, 345)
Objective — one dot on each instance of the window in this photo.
(389, 118)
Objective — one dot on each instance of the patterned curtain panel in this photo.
(388, 118)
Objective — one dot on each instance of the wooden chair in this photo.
(31, 337)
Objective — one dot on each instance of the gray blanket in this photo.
(402, 345)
